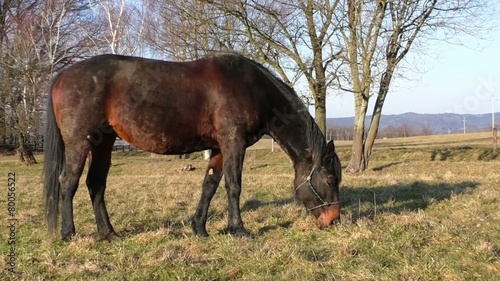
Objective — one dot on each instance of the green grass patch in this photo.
(410, 216)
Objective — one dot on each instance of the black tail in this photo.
(52, 166)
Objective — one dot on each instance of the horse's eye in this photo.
(330, 180)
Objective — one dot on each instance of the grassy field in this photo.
(427, 209)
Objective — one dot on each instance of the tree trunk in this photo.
(377, 113)
(3, 30)
(25, 154)
(3, 125)
(371, 136)
(357, 162)
(320, 113)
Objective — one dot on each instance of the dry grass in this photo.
(412, 216)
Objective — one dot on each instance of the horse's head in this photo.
(319, 190)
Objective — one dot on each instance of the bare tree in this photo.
(22, 73)
(117, 28)
(426, 130)
(36, 44)
(296, 38)
(59, 24)
(189, 30)
(4, 10)
(378, 35)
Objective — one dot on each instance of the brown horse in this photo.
(223, 102)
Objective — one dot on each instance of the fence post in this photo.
(494, 140)
(206, 154)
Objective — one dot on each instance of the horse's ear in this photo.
(330, 145)
(328, 151)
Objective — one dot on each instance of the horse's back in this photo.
(163, 107)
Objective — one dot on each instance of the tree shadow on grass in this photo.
(178, 228)
(442, 154)
(380, 168)
(174, 228)
(254, 204)
(395, 199)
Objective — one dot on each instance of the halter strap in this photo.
(323, 202)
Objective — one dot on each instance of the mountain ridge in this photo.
(432, 123)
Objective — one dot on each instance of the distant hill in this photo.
(433, 123)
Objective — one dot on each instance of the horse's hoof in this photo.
(239, 232)
(68, 236)
(200, 232)
(112, 236)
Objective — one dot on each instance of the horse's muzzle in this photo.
(328, 216)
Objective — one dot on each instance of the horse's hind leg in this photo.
(213, 176)
(75, 156)
(96, 183)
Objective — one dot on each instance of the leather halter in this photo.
(323, 202)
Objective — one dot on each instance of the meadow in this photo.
(428, 208)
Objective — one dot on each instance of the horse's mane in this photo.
(315, 137)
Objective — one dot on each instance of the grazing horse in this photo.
(223, 102)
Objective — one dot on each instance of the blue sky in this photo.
(452, 79)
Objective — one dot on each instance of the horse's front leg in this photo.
(213, 176)
(233, 165)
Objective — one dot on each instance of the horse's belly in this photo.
(156, 141)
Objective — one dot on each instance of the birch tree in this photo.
(40, 40)
(118, 27)
(4, 27)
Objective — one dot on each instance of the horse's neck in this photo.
(293, 127)
(297, 138)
